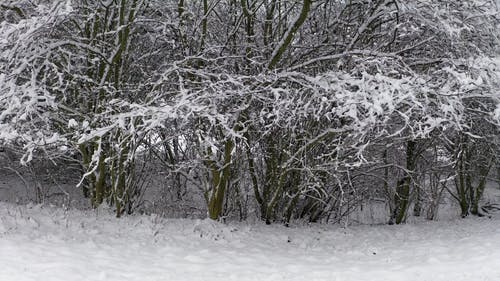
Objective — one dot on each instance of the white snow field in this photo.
(44, 243)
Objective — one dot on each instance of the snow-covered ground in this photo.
(44, 243)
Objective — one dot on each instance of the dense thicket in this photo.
(295, 109)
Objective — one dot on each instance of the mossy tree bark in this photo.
(220, 177)
(290, 35)
(106, 158)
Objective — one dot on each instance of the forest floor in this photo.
(46, 243)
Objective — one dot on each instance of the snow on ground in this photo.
(45, 243)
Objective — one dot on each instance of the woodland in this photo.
(284, 110)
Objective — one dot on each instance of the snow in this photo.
(45, 243)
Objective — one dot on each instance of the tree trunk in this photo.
(402, 195)
(220, 181)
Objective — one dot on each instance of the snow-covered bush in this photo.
(303, 108)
